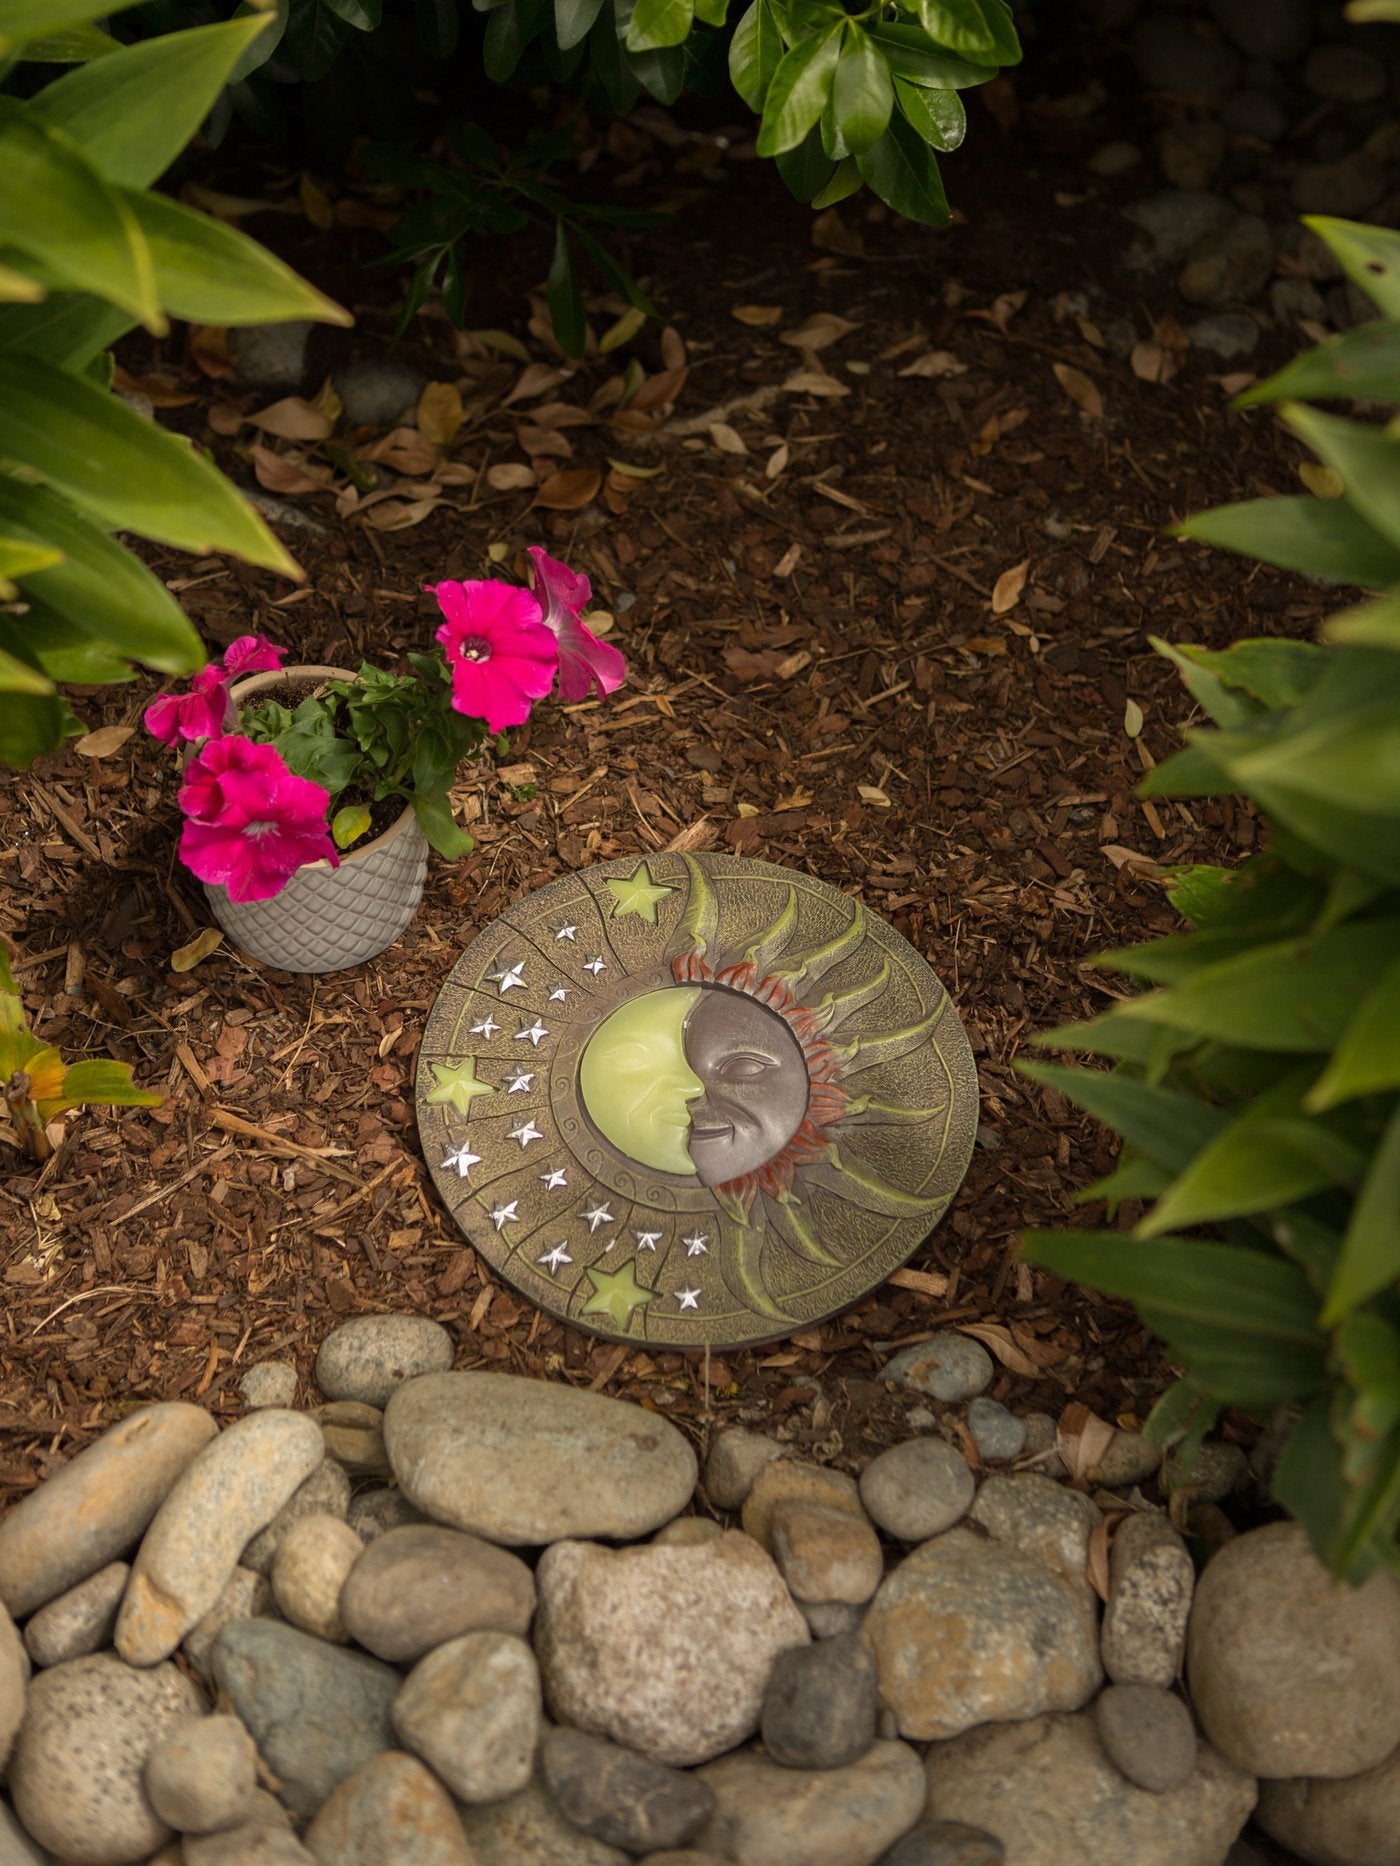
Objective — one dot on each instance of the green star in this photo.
(638, 894)
(457, 1084)
(616, 1293)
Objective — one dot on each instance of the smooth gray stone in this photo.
(270, 1383)
(79, 1621)
(1230, 265)
(14, 1677)
(1128, 1459)
(471, 1711)
(1151, 1582)
(1175, 220)
(392, 1811)
(415, 1588)
(946, 1843)
(375, 395)
(1169, 57)
(1191, 153)
(1226, 334)
(370, 1356)
(950, 1366)
(75, 1772)
(273, 356)
(325, 1493)
(997, 1433)
(529, 1830)
(315, 1711)
(735, 1458)
(1254, 113)
(372, 1512)
(1217, 1471)
(17, 1848)
(826, 1618)
(1348, 186)
(314, 1560)
(820, 1703)
(1345, 73)
(1275, 31)
(766, 1815)
(201, 1776)
(1354, 1821)
(247, 1596)
(1147, 1735)
(264, 1839)
(622, 1797)
(353, 1433)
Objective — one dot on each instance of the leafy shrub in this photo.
(1257, 1087)
(87, 252)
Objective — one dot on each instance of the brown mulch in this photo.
(831, 668)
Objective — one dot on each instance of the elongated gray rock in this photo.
(95, 1507)
(369, 1356)
(231, 1490)
(418, 1586)
(528, 1830)
(769, 1816)
(80, 1621)
(525, 1463)
(315, 1711)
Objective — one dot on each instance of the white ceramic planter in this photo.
(325, 918)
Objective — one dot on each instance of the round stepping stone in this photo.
(369, 1356)
(635, 1082)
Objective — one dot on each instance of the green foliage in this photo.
(36, 1085)
(87, 251)
(1257, 1087)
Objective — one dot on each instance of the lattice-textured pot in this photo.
(325, 918)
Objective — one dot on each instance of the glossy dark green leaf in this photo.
(1263, 1160)
(1322, 537)
(658, 23)
(808, 168)
(1370, 1258)
(315, 38)
(661, 73)
(609, 62)
(900, 168)
(1366, 458)
(573, 20)
(799, 90)
(755, 52)
(363, 15)
(21, 20)
(1369, 255)
(30, 726)
(862, 93)
(844, 182)
(938, 116)
(913, 55)
(210, 273)
(1366, 1060)
(978, 30)
(1110, 1035)
(565, 297)
(1274, 672)
(1364, 362)
(1374, 624)
(614, 271)
(68, 329)
(712, 12)
(1165, 1124)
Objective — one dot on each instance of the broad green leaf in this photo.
(564, 297)
(98, 1083)
(64, 650)
(661, 73)
(1134, 1179)
(1353, 763)
(1370, 1258)
(1181, 1415)
(1364, 12)
(58, 208)
(39, 19)
(573, 20)
(938, 116)
(658, 23)
(834, 145)
(913, 55)
(845, 180)
(132, 113)
(1364, 362)
(807, 169)
(1323, 537)
(1294, 995)
(712, 12)
(1193, 772)
(122, 470)
(1367, 1057)
(1110, 1035)
(349, 824)
(1181, 955)
(315, 38)
(18, 288)
(1367, 458)
(862, 93)
(212, 274)
(17, 676)
(1210, 692)
(68, 329)
(755, 52)
(1166, 1125)
(21, 560)
(901, 169)
(614, 72)
(99, 585)
(509, 30)
(1276, 673)
(1374, 624)
(1235, 1365)
(30, 726)
(436, 821)
(1307, 1480)
(799, 90)
(363, 15)
(77, 46)
(978, 30)
(20, 1049)
(1370, 257)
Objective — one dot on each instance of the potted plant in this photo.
(311, 794)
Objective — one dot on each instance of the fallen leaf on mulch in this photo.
(402, 450)
(570, 490)
(1006, 592)
(935, 363)
(186, 958)
(103, 742)
(402, 515)
(534, 379)
(1131, 859)
(998, 1339)
(160, 391)
(287, 472)
(440, 413)
(292, 419)
(820, 330)
(814, 382)
(757, 315)
(728, 440)
(1132, 718)
(510, 476)
(830, 234)
(1081, 1438)
(1080, 390)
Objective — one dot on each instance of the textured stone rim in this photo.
(659, 1258)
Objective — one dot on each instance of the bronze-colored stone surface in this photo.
(820, 1063)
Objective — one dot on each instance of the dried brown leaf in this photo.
(103, 742)
(570, 490)
(659, 391)
(935, 363)
(402, 450)
(758, 316)
(287, 473)
(292, 419)
(535, 379)
(830, 234)
(814, 382)
(1152, 362)
(672, 348)
(510, 476)
(820, 330)
(1080, 390)
(1130, 859)
(775, 462)
(186, 958)
(1006, 592)
(999, 1341)
(1096, 1563)
(1081, 1438)
(728, 440)
(209, 349)
(440, 413)
(402, 515)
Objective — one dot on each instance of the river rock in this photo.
(325, 1493)
(735, 1459)
(75, 1771)
(1255, 113)
(375, 395)
(950, 1366)
(529, 1828)
(826, 1555)
(245, 1596)
(236, 1485)
(1151, 1579)
(769, 1816)
(95, 1507)
(17, 1848)
(315, 1711)
(1170, 57)
(313, 1560)
(389, 1810)
(917, 1489)
(1233, 264)
(270, 1383)
(372, 1512)
(826, 1619)
(791, 1482)
(621, 1797)
(620, 1660)
(200, 1777)
(14, 1676)
(1275, 32)
(1291, 1671)
(273, 356)
(417, 1587)
(1226, 334)
(1215, 1471)
(79, 1621)
(820, 1705)
(1351, 1822)
(1147, 1735)
(996, 1431)
(1177, 219)
(471, 1710)
(688, 1532)
(265, 1838)
(1048, 1792)
(946, 1843)
(1345, 74)
(370, 1356)
(1039, 1517)
(966, 1631)
(1348, 186)
(354, 1436)
(525, 1463)
(1127, 1459)
(1191, 153)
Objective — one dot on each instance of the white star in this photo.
(525, 1133)
(596, 964)
(688, 1298)
(695, 1244)
(508, 977)
(600, 1215)
(520, 1081)
(553, 1258)
(532, 1034)
(486, 1028)
(504, 1215)
(566, 932)
(554, 1178)
(647, 1240)
(559, 993)
(463, 1159)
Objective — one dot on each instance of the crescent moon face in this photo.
(636, 1084)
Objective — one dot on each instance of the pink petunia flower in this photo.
(502, 656)
(563, 595)
(202, 713)
(250, 822)
(252, 654)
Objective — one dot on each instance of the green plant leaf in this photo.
(1370, 1258)
(363, 15)
(1367, 458)
(901, 169)
(844, 181)
(56, 207)
(99, 1082)
(614, 72)
(63, 650)
(1323, 537)
(978, 30)
(1370, 257)
(122, 470)
(1275, 673)
(755, 53)
(99, 585)
(1168, 1126)
(132, 113)
(712, 12)
(1295, 995)
(939, 116)
(315, 38)
(68, 329)
(18, 676)
(913, 55)
(807, 169)
(1364, 362)
(349, 824)
(1307, 1480)
(799, 90)
(573, 20)
(1110, 1035)
(564, 296)
(509, 30)
(1134, 1179)
(436, 821)
(212, 274)
(21, 20)
(78, 45)
(862, 93)
(438, 27)
(1374, 624)
(658, 23)
(1367, 1057)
